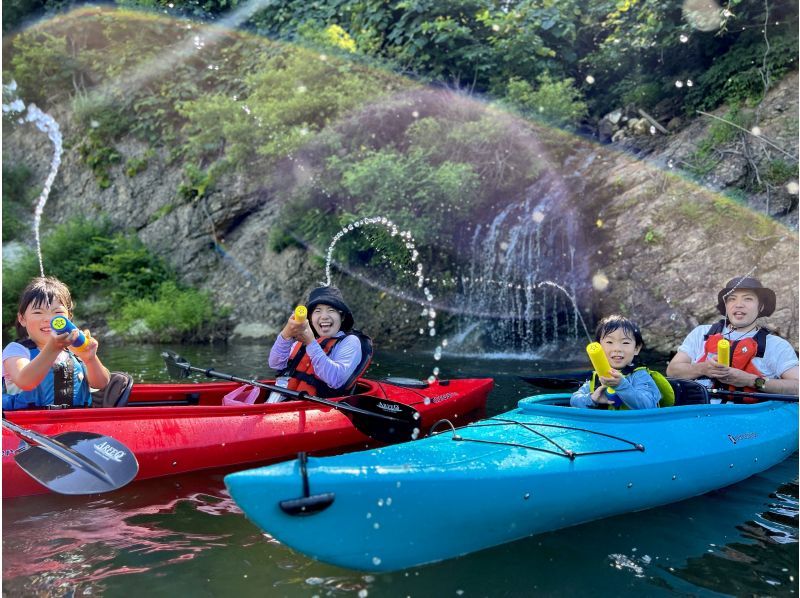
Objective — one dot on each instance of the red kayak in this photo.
(178, 428)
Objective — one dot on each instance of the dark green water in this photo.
(184, 536)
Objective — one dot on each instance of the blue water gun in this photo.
(62, 324)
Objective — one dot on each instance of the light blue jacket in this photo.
(636, 390)
(42, 395)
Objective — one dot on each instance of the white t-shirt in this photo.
(779, 356)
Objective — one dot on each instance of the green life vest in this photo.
(664, 387)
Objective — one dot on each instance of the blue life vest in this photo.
(72, 387)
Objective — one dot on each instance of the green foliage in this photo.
(332, 36)
(420, 195)
(196, 183)
(174, 314)
(119, 270)
(126, 268)
(138, 164)
(557, 102)
(103, 119)
(43, 67)
(780, 171)
(17, 197)
(706, 157)
(652, 237)
(734, 76)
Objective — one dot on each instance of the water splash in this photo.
(411, 245)
(47, 124)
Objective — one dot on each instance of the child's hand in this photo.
(599, 397)
(293, 329)
(613, 380)
(58, 342)
(90, 351)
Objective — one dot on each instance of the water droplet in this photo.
(380, 502)
(589, 79)
(415, 114)
(792, 187)
(689, 83)
(756, 131)
(431, 379)
(684, 38)
(678, 84)
(600, 281)
(537, 216)
(435, 371)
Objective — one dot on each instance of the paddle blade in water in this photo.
(404, 426)
(106, 464)
(177, 366)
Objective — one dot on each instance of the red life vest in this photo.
(742, 353)
(301, 372)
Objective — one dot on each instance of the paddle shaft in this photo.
(303, 396)
(58, 449)
(755, 395)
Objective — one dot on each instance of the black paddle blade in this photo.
(404, 426)
(556, 382)
(177, 366)
(102, 463)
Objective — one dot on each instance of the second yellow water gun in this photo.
(599, 362)
(724, 352)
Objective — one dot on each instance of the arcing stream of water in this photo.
(47, 124)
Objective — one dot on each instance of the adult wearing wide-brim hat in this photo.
(320, 354)
(760, 361)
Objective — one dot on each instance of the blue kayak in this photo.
(540, 467)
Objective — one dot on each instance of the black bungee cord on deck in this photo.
(562, 452)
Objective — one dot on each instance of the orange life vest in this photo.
(301, 372)
(742, 353)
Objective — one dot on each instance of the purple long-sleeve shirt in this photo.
(333, 369)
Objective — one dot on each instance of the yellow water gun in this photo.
(300, 313)
(600, 362)
(724, 352)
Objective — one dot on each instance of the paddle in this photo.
(755, 395)
(558, 381)
(381, 419)
(75, 462)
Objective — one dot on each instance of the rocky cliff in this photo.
(650, 243)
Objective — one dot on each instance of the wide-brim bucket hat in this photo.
(333, 297)
(765, 296)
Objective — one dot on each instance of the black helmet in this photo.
(333, 297)
(765, 296)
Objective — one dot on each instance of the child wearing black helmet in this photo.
(321, 355)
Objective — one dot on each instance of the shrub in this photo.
(17, 197)
(175, 314)
(557, 102)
